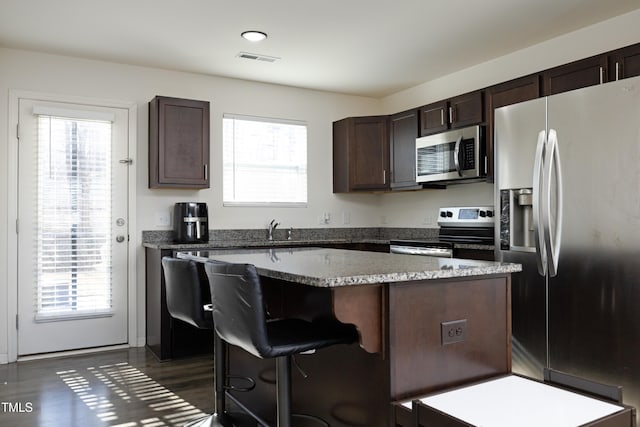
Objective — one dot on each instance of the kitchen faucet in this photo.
(272, 227)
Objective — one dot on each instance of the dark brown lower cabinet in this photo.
(479, 254)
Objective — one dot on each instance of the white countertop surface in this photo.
(516, 401)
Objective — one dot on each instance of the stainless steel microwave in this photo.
(452, 155)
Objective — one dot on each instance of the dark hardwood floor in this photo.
(124, 388)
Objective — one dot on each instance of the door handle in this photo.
(541, 254)
(456, 155)
(552, 237)
(120, 238)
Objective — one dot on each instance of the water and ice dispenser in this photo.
(516, 220)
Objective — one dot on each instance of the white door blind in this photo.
(265, 161)
(72, 259)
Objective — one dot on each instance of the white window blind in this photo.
(72, 259)
(264, 161)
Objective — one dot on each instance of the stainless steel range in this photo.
(467, 224)
(472, 224)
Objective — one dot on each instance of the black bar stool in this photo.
(240, 319)
(186, 300)
(184, 295)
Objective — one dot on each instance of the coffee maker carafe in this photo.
(190, 222)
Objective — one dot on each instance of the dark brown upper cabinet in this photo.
(361, 154)
(178, 143)
(458, 112)
(403, 131)
(434, 118)
(507, 93)
(575, 75)
(624, 63)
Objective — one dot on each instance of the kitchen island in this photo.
(425, 324)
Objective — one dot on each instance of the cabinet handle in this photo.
(617, 71)
(451, 115)
(384, 177)
(442, 117)
(601, 75)
(206, 171)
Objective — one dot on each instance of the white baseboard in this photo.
(4, 358)
(142, 341)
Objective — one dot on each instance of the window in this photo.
(73, 226)
(264, 161)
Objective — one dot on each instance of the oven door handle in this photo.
(456, 155)
(424, 251)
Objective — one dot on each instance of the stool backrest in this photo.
(185, 296)
(239, 313)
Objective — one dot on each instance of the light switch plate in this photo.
(163, 219)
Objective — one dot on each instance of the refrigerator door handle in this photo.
(456, 155)
(552, 237)
(541, 253)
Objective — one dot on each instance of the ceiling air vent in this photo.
(257, 57)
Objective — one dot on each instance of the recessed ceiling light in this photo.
(254, 36)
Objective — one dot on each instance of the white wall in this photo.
(70, 76)
(608, 35)
(76, 77)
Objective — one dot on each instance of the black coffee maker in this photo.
(190, 222)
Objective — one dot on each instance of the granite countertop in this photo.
(337, 267)
(264, 243)
(250, 240)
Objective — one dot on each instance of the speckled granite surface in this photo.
(337, 267)
(302, 236)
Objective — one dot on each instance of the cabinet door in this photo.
(369, 153)
(466, 110)
(178, 143)
(434, 118)
(403, 133)
(587, 72)
(508, 93)
(624, 63)
(341, 156)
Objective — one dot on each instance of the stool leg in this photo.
(283, 386)
(219, 375)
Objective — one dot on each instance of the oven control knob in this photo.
(443, 214)
(483, 214)
(490, 214)
(449, 214)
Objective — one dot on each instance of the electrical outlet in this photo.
(346, 217)
(453, 331)
(429, 220)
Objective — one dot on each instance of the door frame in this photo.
(12, 211)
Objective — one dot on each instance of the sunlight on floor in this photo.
(99, 386)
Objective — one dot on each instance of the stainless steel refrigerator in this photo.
(567, 186)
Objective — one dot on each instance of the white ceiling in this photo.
(363, 47)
